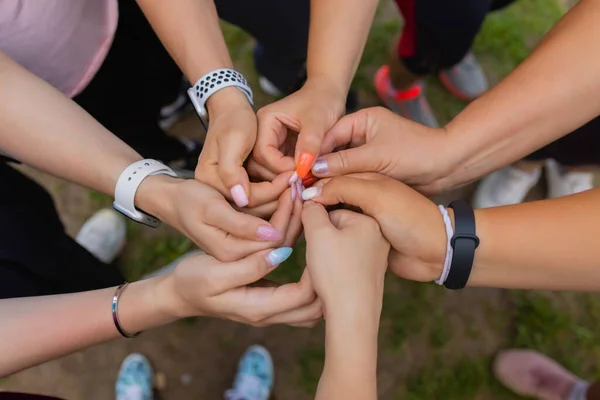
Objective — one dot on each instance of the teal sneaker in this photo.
(135, 379)
(254, 378)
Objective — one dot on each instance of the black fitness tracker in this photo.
(464, 242)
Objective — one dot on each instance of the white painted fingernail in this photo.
(293, 178)
(311, 192)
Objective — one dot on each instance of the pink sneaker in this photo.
(529, 373)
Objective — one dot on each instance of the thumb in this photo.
(233, 151)
(343, 162)
(315, 219)
(309, 142)
(361, 193)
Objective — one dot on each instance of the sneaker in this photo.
(507, 186)
(135, 379)
(561, 183)
(529, 373)
(466, 79)
(103, 235)
(254, 379)
(171, 113)
(410, 104)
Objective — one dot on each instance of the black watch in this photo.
(464, 242)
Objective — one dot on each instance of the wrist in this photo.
(334, 89)
(156, 195)
(226, 101)
(352, 311)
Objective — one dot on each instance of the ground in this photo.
(434, 344)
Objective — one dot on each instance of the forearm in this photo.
(190, 31)
(338, 33)
(554, 91)
(549, 244)
(38, 329)
(350, 370)
(44, 129)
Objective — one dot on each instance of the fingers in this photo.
(272, 133)
(265, 192)
(315, 219)
(344, 162)
(244, 226)
(308, 145)
(362, 193)
(346, 219)
(259, 172)
(234, 148)
(304, 317)
(295, 225)
(227, 276)
(349, 130)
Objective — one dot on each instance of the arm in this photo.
(350, 370)
(554, 91)
(334, 52)
(37, 329)
(44, 129)
(350, 285)
(550, 244)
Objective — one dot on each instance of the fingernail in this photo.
(294, 190)
(278, 256)
(265, 232)
(298, 188)
(312, 192)
(293, 178)
(239, 195)
(321, 167)
(305, 163)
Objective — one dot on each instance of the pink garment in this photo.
(63, 42)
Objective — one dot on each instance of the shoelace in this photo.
(249, 388)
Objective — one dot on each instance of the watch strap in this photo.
(127, 185)
(463, 242)
(211, 83)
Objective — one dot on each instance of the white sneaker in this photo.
(103, 235)
(561, 183)
(507, 186)
(268, 87)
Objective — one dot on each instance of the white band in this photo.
(449, 249)
(127, 185)
(213, 82)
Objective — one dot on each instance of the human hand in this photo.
(230, 138)
(202, 214)
(377, 140)
(409, 221)
(203, 286)
(290, 130)
(346, 256)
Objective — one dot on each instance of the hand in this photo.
(203, 286)
(377, 140)
(202, 214)
(230, 138)
(346, 257)
(410, 222)
(294, 128)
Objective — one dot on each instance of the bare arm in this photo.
(550, 244)
(553, 92)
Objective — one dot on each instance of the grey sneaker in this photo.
(466, 79)
(410, 104)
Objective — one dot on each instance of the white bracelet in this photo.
(127, 185)
(211, 83)
(449, 249)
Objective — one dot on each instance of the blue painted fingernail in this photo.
(278, 256)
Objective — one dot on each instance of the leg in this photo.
(136, 79)
(37, 257)
(281, 29)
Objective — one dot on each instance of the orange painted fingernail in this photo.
(305, 162)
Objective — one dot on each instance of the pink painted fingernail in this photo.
(321, 167)
(265, 232)
(293, 178)
(239, 196)
(298, 187)
(294, 190)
